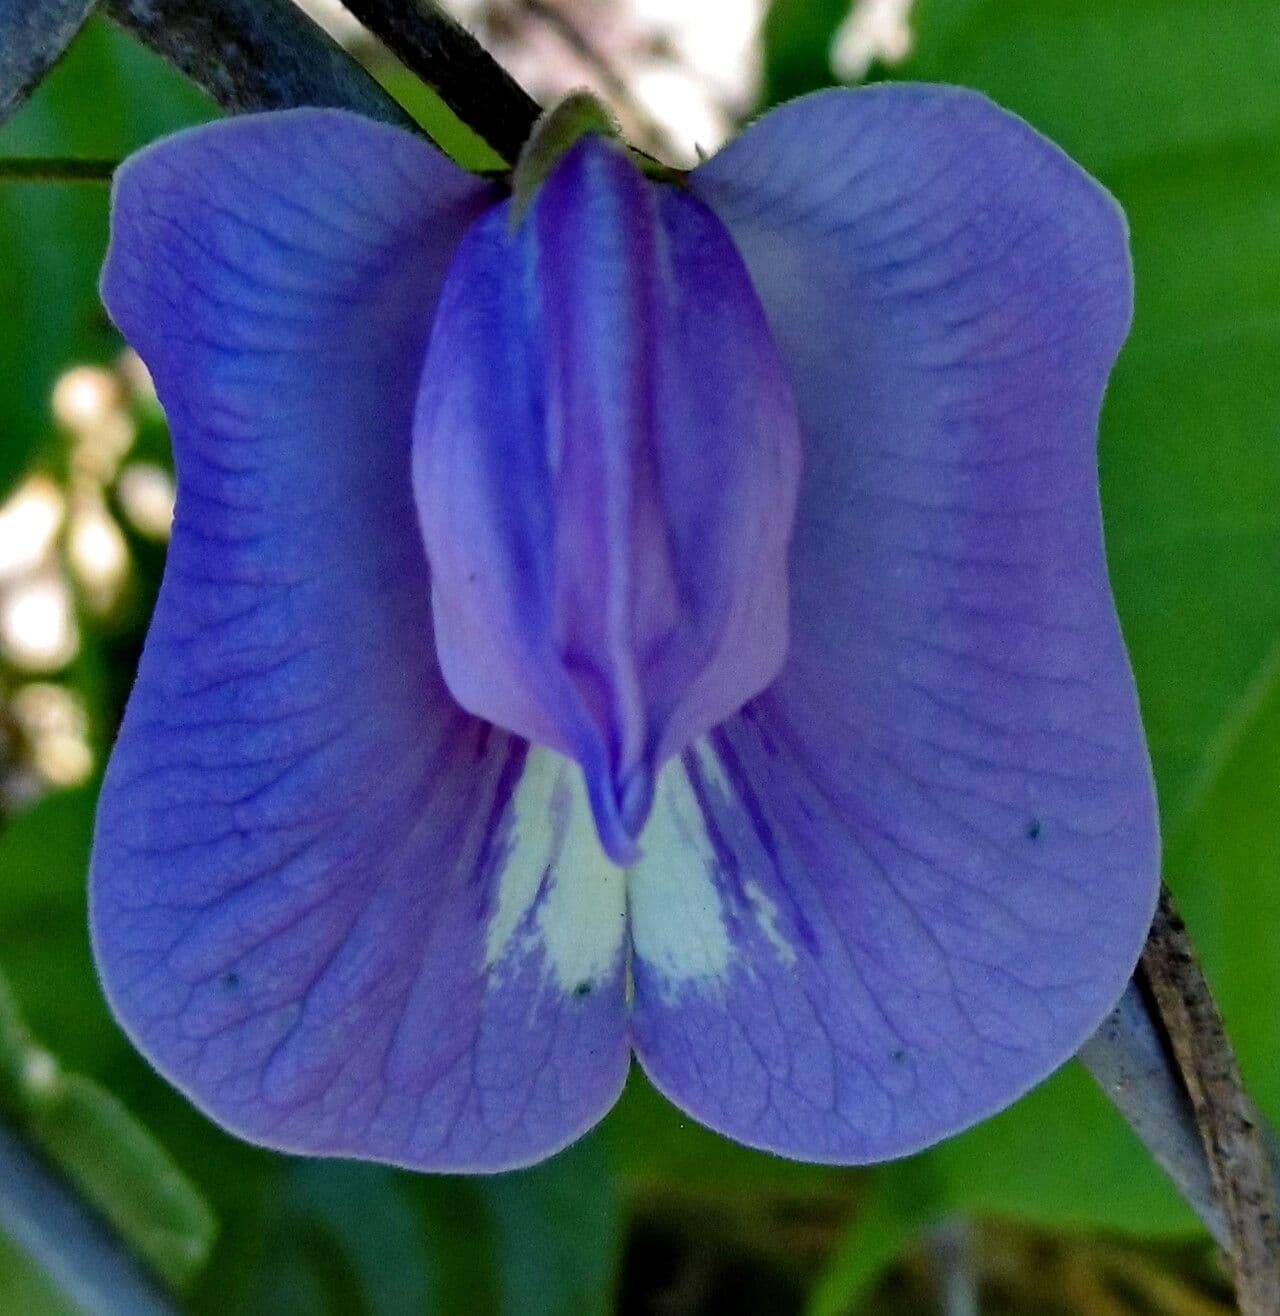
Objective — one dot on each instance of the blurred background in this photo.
(1052, 1207)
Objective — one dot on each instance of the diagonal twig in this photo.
(254, 55)
(1229, 1124)
(456, 67)
(1163, 1058)
(1129, 1062)
(32, 39)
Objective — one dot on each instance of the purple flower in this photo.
(770, 499)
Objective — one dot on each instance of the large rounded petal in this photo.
(907, 882)
(328, 904)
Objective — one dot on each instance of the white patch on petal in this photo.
(581, 919)
(677, 920)
(766, 913)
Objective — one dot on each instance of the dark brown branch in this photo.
(1229, 1125)
(456, 66)
(254, 55)
(1129, 1059)
(41, 169)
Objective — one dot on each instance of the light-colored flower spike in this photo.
(900, 849)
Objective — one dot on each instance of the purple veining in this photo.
(743, 531)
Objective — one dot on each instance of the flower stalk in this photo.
(456, 67)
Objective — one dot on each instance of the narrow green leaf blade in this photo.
(128, 1176)
(903, 1201)
(558, 1227)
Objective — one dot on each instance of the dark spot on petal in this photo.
(1033, 830)
(899, 1055)
(582, 989)
(231, 981)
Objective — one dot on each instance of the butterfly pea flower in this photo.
(647, 614)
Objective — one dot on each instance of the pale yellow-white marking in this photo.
(766, 915)
(677, 920)
(581, 922)
(763, 909)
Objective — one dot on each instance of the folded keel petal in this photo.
(303, 844)
(605, 461)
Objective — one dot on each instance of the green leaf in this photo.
(44, 933)
(559, 1234)
(1111, 82)
(1191, 480)
(449, 133)
(797, 38)
(106, 98)
(127, 1175)
(1061, 1156)
(651, 1141)
(13, 1052)
(1175, 105)
(1224, 870)
(347, 1240)
(904, 1200)
(104, 1152)
(365, 1240)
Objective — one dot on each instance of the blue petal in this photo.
(327, 903)
(907, 882)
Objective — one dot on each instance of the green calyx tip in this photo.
(554, 134)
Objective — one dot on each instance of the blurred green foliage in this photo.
(108, 1156)
(797, 38)
(108, 98)
(25, 1288)
(1175, 105)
